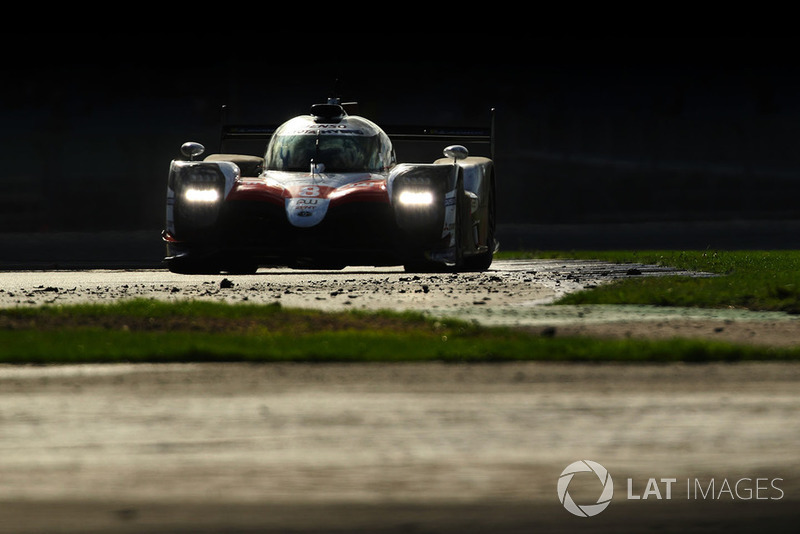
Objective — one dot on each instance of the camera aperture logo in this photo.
(606, 493)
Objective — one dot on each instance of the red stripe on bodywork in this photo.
(373, 191)
(260, 191)
(257, 191)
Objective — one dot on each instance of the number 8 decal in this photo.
(309, 191)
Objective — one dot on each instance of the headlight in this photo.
(206, 196)
(418, 201)
(199, 192)
(416, 198)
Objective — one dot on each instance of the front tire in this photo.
(183, 265)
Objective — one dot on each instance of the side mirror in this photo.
(191, 149)
(456, 152)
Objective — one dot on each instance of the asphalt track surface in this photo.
(388, 448)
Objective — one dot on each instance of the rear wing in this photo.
(442, 135)
(445, 135)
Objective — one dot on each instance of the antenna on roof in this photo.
(350, 108)
(337, 89)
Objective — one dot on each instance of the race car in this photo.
(328, 192)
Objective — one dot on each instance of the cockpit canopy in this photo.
(350, 144)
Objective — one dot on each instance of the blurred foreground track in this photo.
(389, 448)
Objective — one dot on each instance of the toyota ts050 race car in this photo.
(329, 193)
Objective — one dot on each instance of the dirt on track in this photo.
(512, 293)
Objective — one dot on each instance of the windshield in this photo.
(339, 153)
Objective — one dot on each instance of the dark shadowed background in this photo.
(600, 143)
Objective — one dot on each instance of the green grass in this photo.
(192, 331)
(754, 280)
(182, 331)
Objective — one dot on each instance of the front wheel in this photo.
(183, 265)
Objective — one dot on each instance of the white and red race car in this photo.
(329, 193)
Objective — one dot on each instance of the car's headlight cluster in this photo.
(418, 196)
(414, 189)
(200, 185)
(199, 191)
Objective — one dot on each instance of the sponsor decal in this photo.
(325, 129)
(305, 212)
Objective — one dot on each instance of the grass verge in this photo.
(754, 280)
(192, 331)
